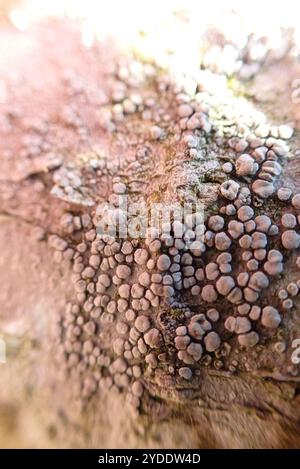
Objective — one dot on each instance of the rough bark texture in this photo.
(61, 151)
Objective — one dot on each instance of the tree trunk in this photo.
(78, 129)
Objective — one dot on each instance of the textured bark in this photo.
(51, 124)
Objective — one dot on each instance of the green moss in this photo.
(175, 312)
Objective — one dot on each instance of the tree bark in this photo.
(54, 126)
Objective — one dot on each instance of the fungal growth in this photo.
(157, 310)
(164, 201)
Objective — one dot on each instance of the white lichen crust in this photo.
(166, 306)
